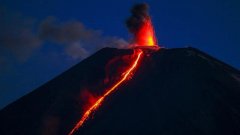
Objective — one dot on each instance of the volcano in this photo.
(180, 91)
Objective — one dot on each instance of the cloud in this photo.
(76, 51)
(65, 32)
(20, 37)
(74, 35)
(16, 36)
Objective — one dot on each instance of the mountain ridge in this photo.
(182, 78)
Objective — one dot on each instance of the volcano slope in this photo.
(172, 92)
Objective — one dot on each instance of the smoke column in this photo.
(140, 25)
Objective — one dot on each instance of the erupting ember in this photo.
(140, 25)
(146, 36)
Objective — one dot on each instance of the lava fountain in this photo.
(140, 26)
(146, 36)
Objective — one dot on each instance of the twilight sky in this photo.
(41, 39)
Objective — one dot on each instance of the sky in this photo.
(41, 39)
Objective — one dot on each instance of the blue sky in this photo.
(209, 25)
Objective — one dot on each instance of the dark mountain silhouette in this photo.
(173, 92)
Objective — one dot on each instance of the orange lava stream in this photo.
(108, 92)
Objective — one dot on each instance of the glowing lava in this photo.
(145, 36)
(108, 92)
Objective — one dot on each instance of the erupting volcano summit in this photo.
(140, 25)
(133, 91)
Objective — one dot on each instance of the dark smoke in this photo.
(139, 14)
(78, 41)
(20, 37)
(16, 36)
(68, 32)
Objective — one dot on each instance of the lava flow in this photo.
(108, 92)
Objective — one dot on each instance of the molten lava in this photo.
(99, 101)
(145, 36)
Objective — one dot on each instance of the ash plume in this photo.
(77, 40)
(139, 14)
(16, 36)
(22, 36)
